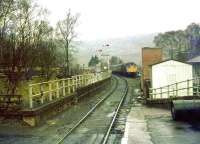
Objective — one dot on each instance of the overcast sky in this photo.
(101, 19)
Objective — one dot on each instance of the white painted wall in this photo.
(169, 72)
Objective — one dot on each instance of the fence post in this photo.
(168, 93)
(85, 79)
(78, 81)
(73, 84)
(50, 91)
(93, 78)
(154, 93)
(198, 86)
(188, 85)
(30, 96)
(68, 85)
(161, 92)
(57, 89)
(173, 92)
(82, 79)
(63, 86)
(42, 94)
(176, 89)
(88, 79)
(150, 93)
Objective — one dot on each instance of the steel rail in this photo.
(105, 139)
(88, 114)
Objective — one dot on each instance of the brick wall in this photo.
(149, 56)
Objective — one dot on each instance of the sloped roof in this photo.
(169, 60)
(195, 60)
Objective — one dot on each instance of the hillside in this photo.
(127, 48)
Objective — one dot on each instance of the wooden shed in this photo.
(169, 72)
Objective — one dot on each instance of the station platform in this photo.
(136, 130)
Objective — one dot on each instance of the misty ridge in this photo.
(127, 48)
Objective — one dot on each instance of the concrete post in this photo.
(168, 93)
(198, 87)
(188, 89)
(30, 97)
(161, 92)
(42, 94)
(154, 95)
(176, 89)
(173, 91)
(89, 79)
(81, 77)
(73, 84)
(78, 81)
(92, 78)
(63, 87)
(68, 86)
(85, 80)
(50, 91)
(57, 89)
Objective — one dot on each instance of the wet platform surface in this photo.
(155, 126)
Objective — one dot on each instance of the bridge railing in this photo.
(45, 92)
(189, 87)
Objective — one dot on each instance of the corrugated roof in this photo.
(195, 60)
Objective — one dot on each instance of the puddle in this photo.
(51, 122)
(84, 130)
(110, 114)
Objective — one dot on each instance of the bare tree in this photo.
(16, 52)
(67, 32)
(46, 48)
(6, 9)
(16, 46)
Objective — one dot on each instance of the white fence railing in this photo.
(45, 92)
(184, 88)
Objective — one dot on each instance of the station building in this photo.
(172, 74)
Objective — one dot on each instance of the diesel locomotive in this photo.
(127, 69)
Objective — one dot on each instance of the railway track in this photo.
(97, 124)
(106, 137)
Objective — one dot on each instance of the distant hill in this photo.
(127, 48)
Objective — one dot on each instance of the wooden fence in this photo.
(45, 92)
